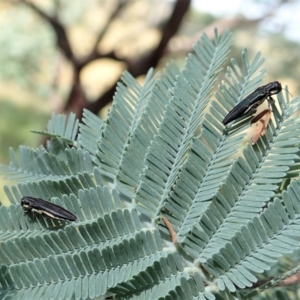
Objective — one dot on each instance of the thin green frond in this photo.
(210, 158)
(182, 117)
(109, 230)
(258, 244)
(133, 160)
(124, 117)
(38, 164)
(63, 127)
(162, 280)
(90, 133)
(79, 267)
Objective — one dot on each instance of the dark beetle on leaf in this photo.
(253, 100)
(46, 208)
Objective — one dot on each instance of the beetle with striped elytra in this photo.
(253, 100)
(45, 208)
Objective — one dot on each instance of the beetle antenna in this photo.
(287, 91)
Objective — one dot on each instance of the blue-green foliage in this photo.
(162, 153)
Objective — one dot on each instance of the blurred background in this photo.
(61, 55)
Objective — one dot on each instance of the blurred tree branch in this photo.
(141, 65)
(61, 36)
(77, 99)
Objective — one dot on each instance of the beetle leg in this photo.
(270, 100)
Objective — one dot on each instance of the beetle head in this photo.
(275, 87)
